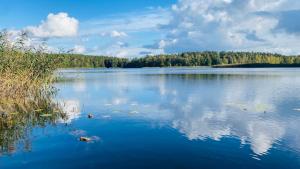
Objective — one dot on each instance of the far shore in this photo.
(257, 66)
(213, 66)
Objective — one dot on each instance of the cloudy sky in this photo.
(133, 28)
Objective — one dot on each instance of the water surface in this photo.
(169, 118)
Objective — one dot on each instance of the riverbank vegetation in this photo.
(26, 77)
(184, 59)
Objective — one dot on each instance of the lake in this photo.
(168, 118)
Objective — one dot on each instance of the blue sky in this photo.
(134, 28)
(21, 13)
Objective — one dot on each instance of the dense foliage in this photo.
(213, 58)
(77, 60)
(184, 59)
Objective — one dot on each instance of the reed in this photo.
(26, 75)
(26, 91)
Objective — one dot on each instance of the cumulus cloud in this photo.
(114, 34)
(79, 49)
(117, 34)
(127, 52)
(250, 25)
(56, 25)
(33, 43)
(122, 49)
(125, 35)
(13, 35)
(188, 25)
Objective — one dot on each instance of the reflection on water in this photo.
(257, 107)
(15, 127)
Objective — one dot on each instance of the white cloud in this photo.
(121, 49)
(117, 34)
(13, 36)
(56, 25)
(130, 28)
(189, 25)
(79, 49)
(230, 25)
(114, 34)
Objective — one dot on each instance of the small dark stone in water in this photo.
(265, 111)
(90, 116)
(245, 109)
(85, 139)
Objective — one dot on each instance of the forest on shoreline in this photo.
(215, 59)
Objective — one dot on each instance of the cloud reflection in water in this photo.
(202, 106)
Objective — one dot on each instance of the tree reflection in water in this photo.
(18, 119)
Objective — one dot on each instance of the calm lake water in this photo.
(169, 118)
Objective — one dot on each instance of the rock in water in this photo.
(90, 116)
(85, 139)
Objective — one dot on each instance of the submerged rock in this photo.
(92, 139)
(85, 139)
(90, 116)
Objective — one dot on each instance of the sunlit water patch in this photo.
(169, 118)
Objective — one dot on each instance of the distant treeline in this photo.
(77, 60)
(184, 59)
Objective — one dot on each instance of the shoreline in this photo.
(257, 66)
(213, 66)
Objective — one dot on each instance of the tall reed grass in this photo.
(26, 91)
(26, 75)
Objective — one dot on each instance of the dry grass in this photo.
(26, 75)
(26, 92)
